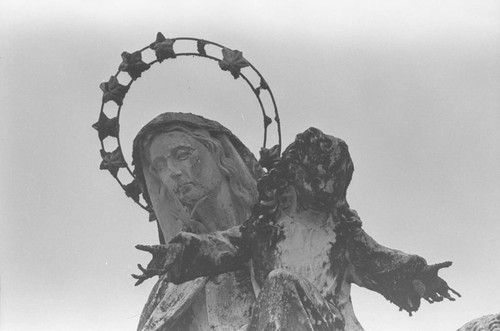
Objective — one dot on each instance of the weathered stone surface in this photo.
(168, 302)
(290, 302)
(302, 243)
(199, 179)
(485, 323)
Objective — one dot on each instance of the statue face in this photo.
(185, 166)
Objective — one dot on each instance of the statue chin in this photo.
(190, 194)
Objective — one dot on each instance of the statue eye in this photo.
(160, 164)
(183, 153)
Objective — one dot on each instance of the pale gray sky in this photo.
(412, 86)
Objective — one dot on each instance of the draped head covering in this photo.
(232, 147)
(169, 305)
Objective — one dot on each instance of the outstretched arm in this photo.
(401, 278)
(188, 256)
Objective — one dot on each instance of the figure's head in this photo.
(320, 168)
(190, 157)
(184, 162)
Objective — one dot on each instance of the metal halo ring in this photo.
(232, 61)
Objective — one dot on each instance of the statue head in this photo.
(185, 162)
(180, 159)
(320, 168)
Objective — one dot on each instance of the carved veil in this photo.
(165, 205)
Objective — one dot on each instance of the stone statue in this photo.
(200, 179)
(242, 248)
(485, 323)
(286, 265)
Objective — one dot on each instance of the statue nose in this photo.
(174, 170)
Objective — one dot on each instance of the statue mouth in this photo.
(183, 189)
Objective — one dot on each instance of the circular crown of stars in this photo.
(132, 64)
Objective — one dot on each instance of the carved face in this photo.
(185, 166)
(321, 167)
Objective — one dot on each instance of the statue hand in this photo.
(164, 256)
(430, 286)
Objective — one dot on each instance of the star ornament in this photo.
(233, 61)
(112, 161)
(106, 127)
(164, 48)
(200, 46)
(133, 64)
(113, 91)
(133, 190)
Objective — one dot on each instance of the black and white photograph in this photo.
(250, 165)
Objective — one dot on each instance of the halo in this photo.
(132, 63)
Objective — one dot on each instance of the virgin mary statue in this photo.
(280, 255)
(199, 178)
(243, 249)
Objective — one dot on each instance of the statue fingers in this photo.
(140, 279)
(139, 282)
(147, 273)
(152, 248)
(445, 293)
(433, 288)
(436, 289)
(155, 250)
(435, 297)
(145, 248)
(144, 271)
(422, 290)
(137, 276)
(438, 266)
(455, 292)
(431, 298)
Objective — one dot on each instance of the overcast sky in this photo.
(413, 87)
